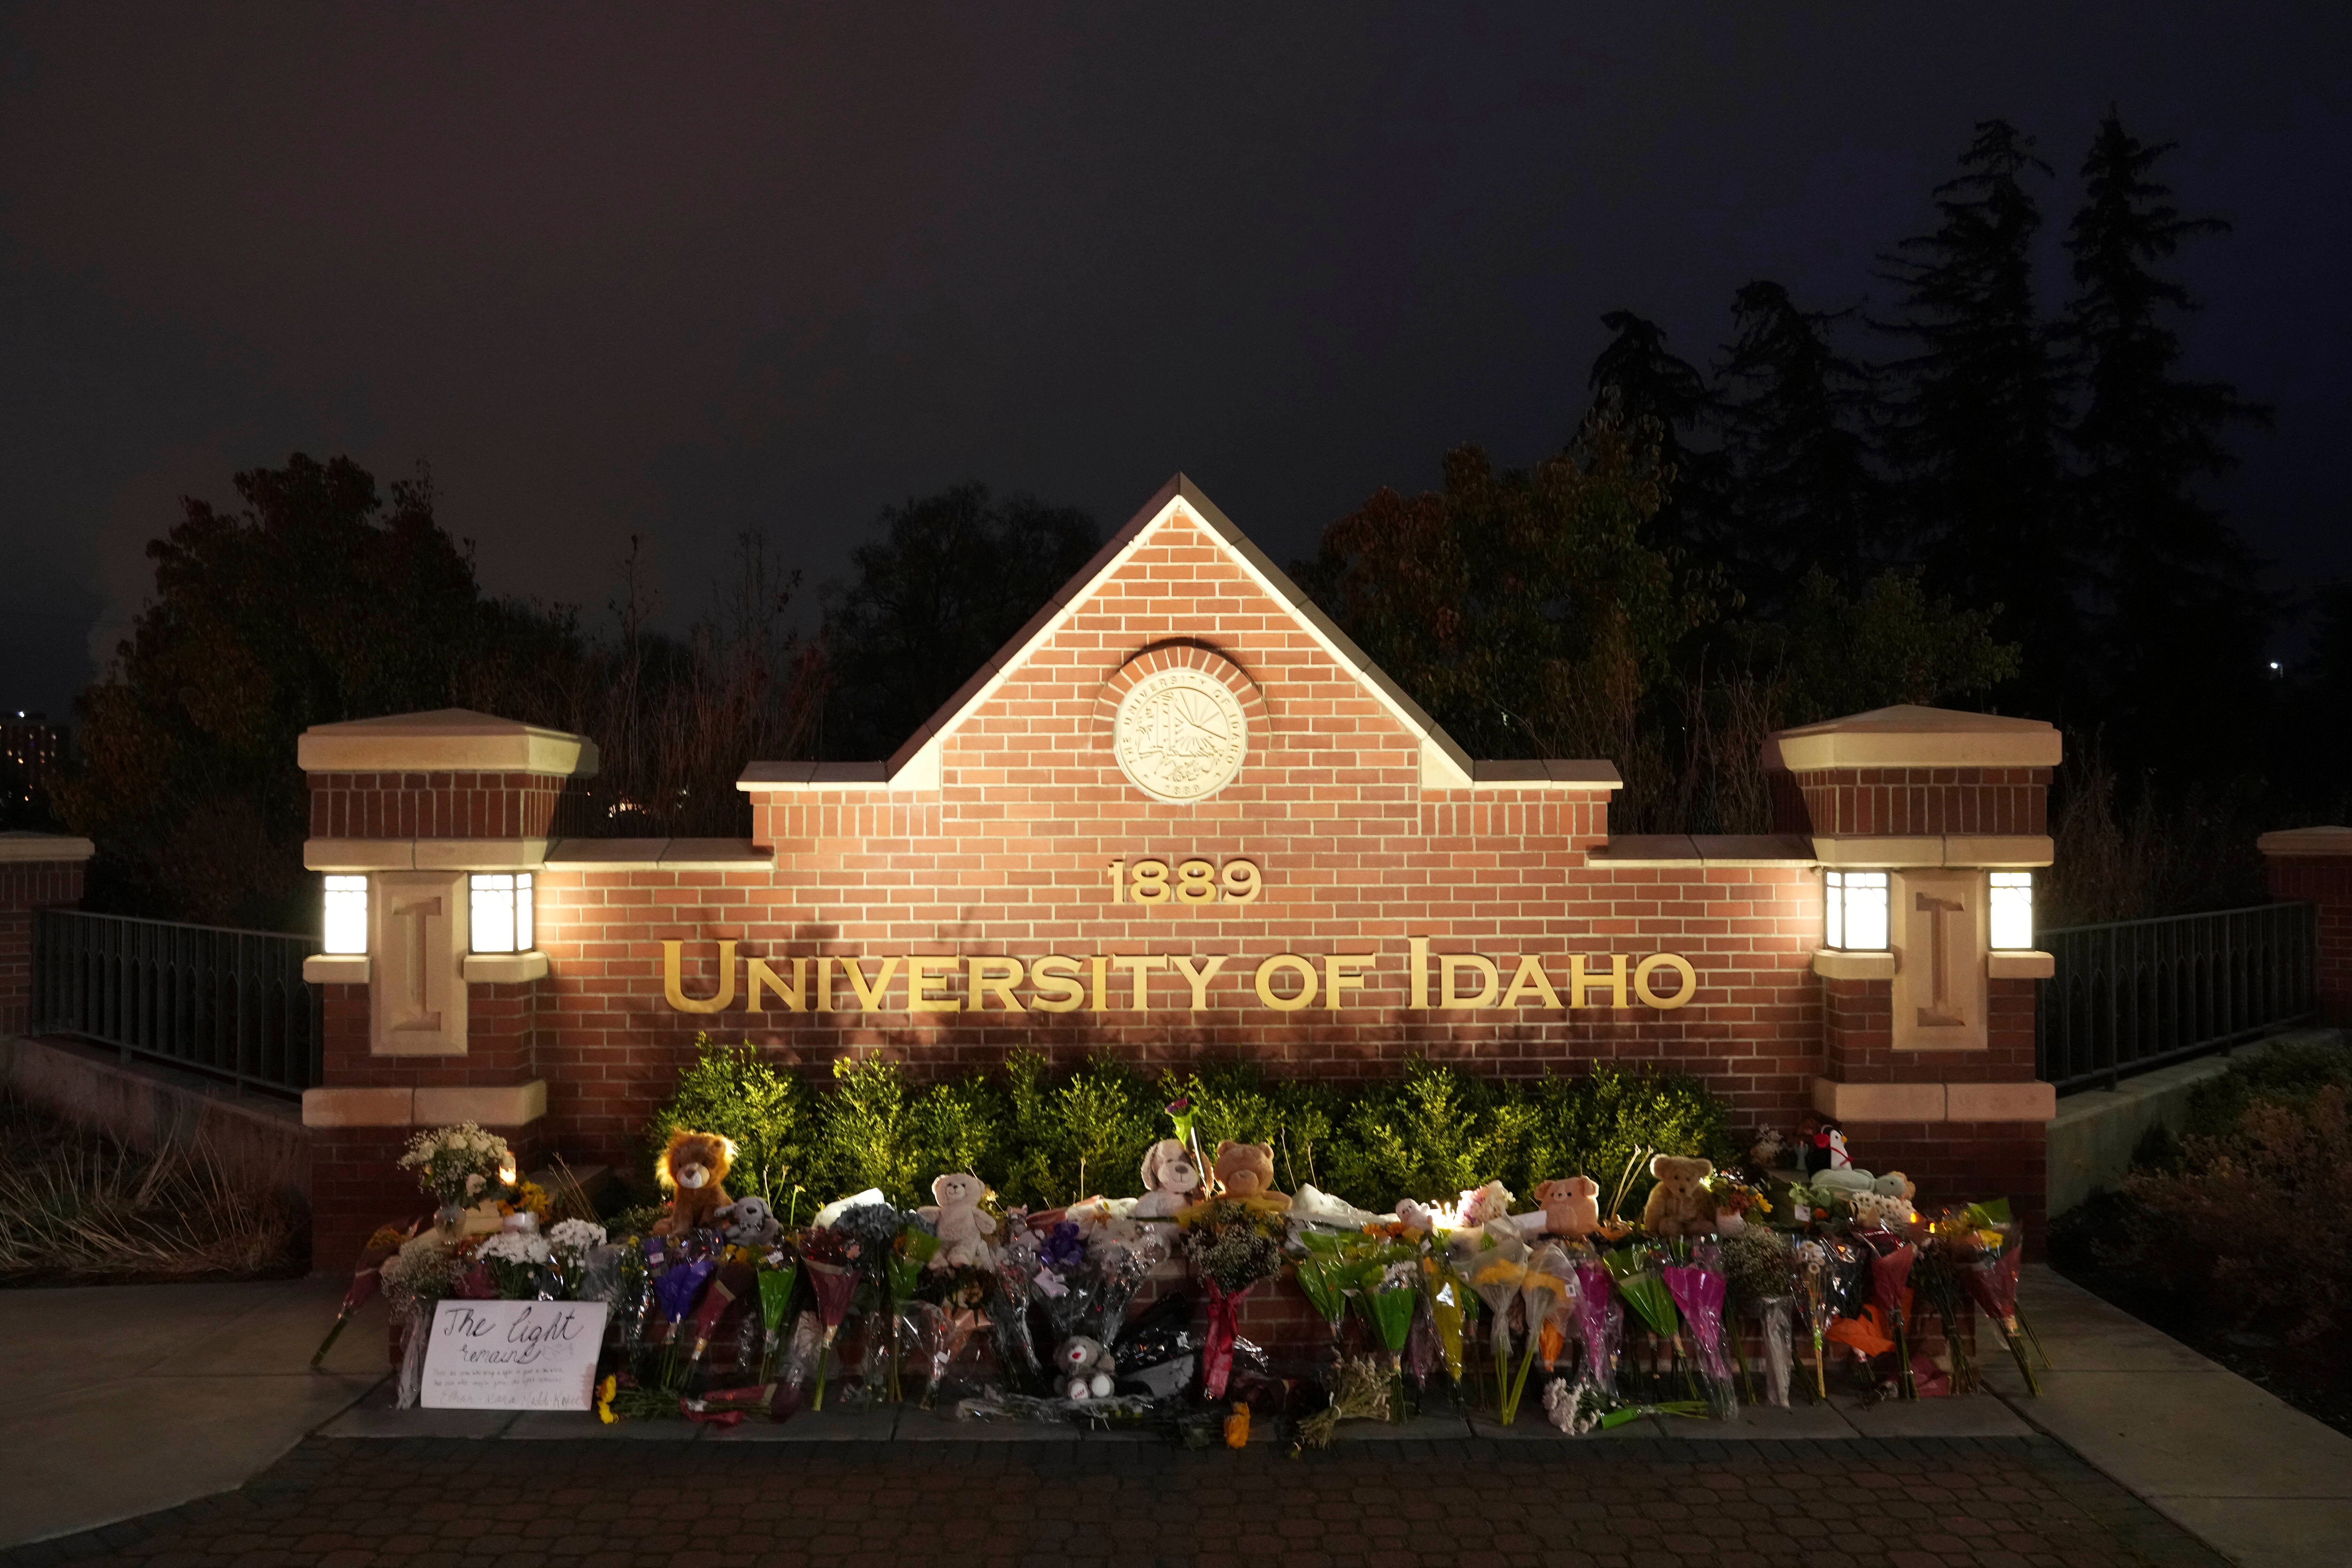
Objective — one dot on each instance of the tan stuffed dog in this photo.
(691, 1170)
(1572, 1205)
(1169, 1180)
(1247, 1171)
(1680, 1204)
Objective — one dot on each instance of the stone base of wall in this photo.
(260, 1140)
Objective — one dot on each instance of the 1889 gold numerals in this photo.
(1188, 885)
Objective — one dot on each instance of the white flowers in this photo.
(457, 1162)
(513, 1247)
(575, 1236)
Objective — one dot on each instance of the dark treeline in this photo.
(1962, 497)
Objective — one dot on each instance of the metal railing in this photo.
(231, 1003)
(2139, 995)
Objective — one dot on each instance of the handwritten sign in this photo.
(512, 1355)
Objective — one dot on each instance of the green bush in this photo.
(1042, 1138)
(2291, 1074)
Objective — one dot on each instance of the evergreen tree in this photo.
(1975, 432)
(1664, 401)
(2187, 623)
(1805, 496)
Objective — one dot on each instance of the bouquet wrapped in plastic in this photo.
(831, 1270)
(1700, 1288)
(1600, 1326)
(1992, 1278)
(1890, 1285)
(1233, 1245)
(1387, 1297)
(1635, 1271)
(1017, 1262)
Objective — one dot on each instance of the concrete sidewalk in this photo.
(132, 1398)
(2257, 1479)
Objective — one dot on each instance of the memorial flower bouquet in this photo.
(1635, 1270)
(459, 1165)
(1700, 1288)
(830, 1263)
(779, 1273)
(1444, 1297)
(1759, 1265)
(518, 1262)
(1599, 1326)
(1991, 1276)
(569, 1243)
(1233, 1246)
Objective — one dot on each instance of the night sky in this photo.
(773, 267)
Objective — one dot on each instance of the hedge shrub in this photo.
(1043, 1138)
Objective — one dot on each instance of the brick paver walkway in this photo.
(439, 1503)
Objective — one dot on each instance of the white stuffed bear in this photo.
(1088, 1365)
(1169, 1180)
(963, 1229)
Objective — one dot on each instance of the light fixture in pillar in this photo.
(2012, 909)
(1854, 911)
(345, 916)
(500, 911)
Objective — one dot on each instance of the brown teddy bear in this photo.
(1680, 1204)
(691, 1170)
(1247, 1171)
(1572, 1205)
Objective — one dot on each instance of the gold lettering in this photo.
(674, 991)
(824, 982)
(1099, 972)
(1343, 972)
(875, 998)
(759, 978)
(1529, 980)
(1264, 981)
(1579, 983)
(1452, 964)
(1139, 997)
(1056, 982)
(1419, 962)
(980, 982)
(925, 971)
(1199, 978)
(1651, 965)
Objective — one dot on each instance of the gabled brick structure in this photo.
(1179, 815)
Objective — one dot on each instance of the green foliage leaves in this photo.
(1043, 1139)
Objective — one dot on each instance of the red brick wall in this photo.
(1957, 1161)
(500, 1033)
(1860, 1049)
(1010, 857)
(2326, 882)
(26, 886)
(433, 805)
(1897, 801)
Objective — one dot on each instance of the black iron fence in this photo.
(2139, 995)
(232, 1004)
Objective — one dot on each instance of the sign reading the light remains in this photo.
(512, 1355)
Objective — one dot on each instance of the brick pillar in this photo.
(421, 1030)
(37, 871)
(1928, 1043)
(2314, 866)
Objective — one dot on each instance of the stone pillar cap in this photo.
(1910, 736)
(448, 739)
(2307, 841)
(17, 846)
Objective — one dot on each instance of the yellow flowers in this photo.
(605, 1391)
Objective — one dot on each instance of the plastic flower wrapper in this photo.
(518, 1262)
(731, 1283)
(1016, 1266)
(1939, 1276)
(1636, 1272)
(959, 1310)
(1323, 1272)
(1700, 1289)
(1541, 1292)
(1386, 1299)
(1991, 1280)
(675, 1290)
(1499, 1277)
(1773, 1316)
(1548, 1301)
(1757, 1261)
(1600, 1325)
(1444, 1298)
(1890, 1279)
(1812, 1260)
(831, 1267)
(778, 1276)
(1233, 1246)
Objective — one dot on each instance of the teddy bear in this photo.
(963, 1228)
(1572, 1205)
(1247, 1171)
(692, 1169)
(748, 1222)
(1680, 1204)
(1170, 1179)
(1088, 1365)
